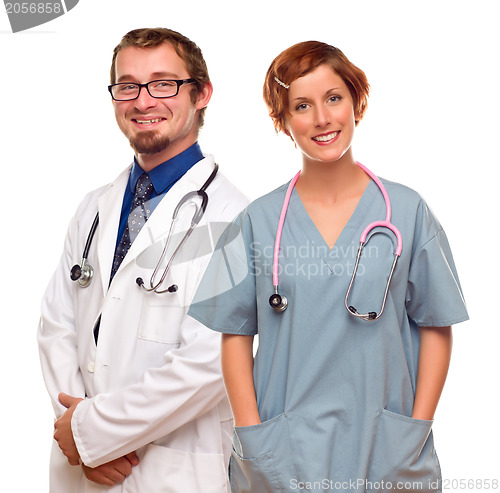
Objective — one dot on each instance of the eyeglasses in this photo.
(164, 88)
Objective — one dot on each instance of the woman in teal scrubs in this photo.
(331, 402)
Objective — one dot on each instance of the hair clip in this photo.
(286, 86)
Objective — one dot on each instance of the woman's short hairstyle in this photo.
(186, 49)
(299, 60)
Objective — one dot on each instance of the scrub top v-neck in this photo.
(334, 393)
(306, 222)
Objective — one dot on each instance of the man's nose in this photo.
(144, 100)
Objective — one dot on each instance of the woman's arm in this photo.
(433, 363)
(237, 370)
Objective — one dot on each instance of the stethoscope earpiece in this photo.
(368, 316)
(171, 289)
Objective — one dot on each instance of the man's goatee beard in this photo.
(149, 144)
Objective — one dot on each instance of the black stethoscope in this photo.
(84, 273)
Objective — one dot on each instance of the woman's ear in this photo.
(285, 130)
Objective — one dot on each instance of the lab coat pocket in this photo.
(164, 470)
(161, 318)
(403, 456)
(260, 458)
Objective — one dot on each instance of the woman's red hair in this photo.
(299, 60)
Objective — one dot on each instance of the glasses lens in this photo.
(123, 92)
(163, 88)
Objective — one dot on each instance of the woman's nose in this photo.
(321, 116)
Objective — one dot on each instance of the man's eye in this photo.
(163, 83)
(127, 87)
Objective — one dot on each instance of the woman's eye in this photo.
(300, 107)
(334, 99)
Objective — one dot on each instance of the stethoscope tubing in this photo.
(370, 316)
(384, 224)
(279, 231)
(90, 237)
(194, 222)
(200, 211)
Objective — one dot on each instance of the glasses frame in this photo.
(179, 83)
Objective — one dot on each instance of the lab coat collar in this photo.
(109, 206)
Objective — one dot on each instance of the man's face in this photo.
(158, 129)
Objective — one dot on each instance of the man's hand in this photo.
(113, 472)
(63, 434)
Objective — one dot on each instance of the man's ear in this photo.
(204, 96)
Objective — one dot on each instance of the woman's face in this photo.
(321, 116)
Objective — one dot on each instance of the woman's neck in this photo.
(331, 182)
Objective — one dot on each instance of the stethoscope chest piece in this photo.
(83, 274)
(278, 302)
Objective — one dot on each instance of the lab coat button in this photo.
(91, 367)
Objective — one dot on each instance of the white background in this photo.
(432, 123)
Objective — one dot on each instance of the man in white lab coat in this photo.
(136, 383)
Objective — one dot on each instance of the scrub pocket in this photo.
(403, 456)
(260, 461)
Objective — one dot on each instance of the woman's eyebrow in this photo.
(303, 98)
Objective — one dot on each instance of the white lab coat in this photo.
(153, 383)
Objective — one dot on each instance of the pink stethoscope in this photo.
(280, 302)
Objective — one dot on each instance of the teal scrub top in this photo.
(335, 393)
